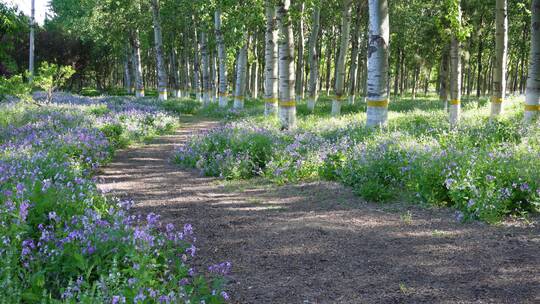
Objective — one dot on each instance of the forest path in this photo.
(319, 243)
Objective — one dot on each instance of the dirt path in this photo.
(318, 243)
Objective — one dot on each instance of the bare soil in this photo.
(319, 243)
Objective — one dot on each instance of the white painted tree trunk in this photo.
(314, 59)
(271, 61)
(241, 74)
(339, 86)
(377, 89)
(137, 64)
(158, 40)
(222, 57)
(32, 41)
(300, 62)
(499, 67)
(532, 98)
(205, 70)
(287, 101)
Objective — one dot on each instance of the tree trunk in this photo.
(354, 55)
(205, 70)
(241, 74)
(398, 66)
(339, 87)
(127, 71)
(213, 77)
(379, 33)
(479, 63)
(287, 104)
(32, 39)
(139, 81)
(329, 50)
(300, 61)
(455, 78)
(313, 59)
(196, 66)
(160, 60)
(175, 93)
(222, 57)
(416, 72)
(533, 82)
(255, 70)
(499, 68)
(271, 61)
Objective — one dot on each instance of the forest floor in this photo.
(319, 243)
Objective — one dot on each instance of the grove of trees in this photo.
(283, 51)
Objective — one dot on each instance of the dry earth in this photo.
(319, 243)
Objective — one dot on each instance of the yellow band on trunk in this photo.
(340, 97)
(497, 99)
(377, 103)
(287, 103)
(532, 108)
(271, 100)
(223, 94)
(455, 102)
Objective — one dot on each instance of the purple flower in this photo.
(191, 250)
(225, 296)
(20, 189)
(221, 268)
(118, 300)
(459, 216)
(23, 210)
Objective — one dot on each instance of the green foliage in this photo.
(484, 169)
(51, 77)
(16, 87)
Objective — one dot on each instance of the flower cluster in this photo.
(63, 240)
(486, 169)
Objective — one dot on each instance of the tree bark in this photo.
(127, 70)
(196, 66)
(287, 103)
(222, 57)
(455, 78)
(160, 60)
(499, 68)
(300, 62)
(205, 70)
(255, 70)
(175, 93)
(354, 55)
(339, 86)
(533, 82)
(139, 81)
(379, 33)
(313, 59)
(443, 86)
(32, 41)
(241, 74)
(271, 61)
(329, 51)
